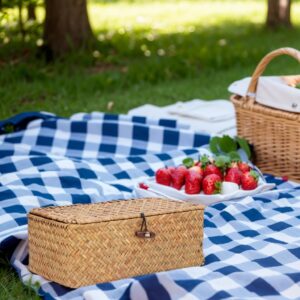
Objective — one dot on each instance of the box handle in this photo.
(144, 232)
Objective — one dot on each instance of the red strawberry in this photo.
(234, 165)
(143, 186)
(198, 163)
(233, 175)
(212, 169)
(193, 182)
(163, 176)
(249, 180)
(244, 167)
(211, 184)
(183, 169)
(178, 177)
(197, 169)
(171, 170)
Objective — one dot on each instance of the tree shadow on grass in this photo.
(143, 55)
(147, 56)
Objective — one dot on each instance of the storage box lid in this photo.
(113, 210)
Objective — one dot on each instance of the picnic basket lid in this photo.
(113, 210)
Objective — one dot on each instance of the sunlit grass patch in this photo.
(139, 44)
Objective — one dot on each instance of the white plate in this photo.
(162, 191)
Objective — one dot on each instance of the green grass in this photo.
(152, 52)
(146, 52)
(11, 287)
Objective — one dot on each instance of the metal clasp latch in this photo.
(294, 105)
(144, 232)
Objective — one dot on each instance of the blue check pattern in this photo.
(251, 245)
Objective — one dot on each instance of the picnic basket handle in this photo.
(291, 80)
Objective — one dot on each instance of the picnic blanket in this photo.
(251, 245)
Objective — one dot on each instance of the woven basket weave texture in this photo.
(85, 244)
(275, 134)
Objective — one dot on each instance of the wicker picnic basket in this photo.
(274, 133)
(86, 244)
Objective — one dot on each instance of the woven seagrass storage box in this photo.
(274, 133)
(85, 244)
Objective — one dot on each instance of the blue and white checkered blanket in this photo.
(252, 246)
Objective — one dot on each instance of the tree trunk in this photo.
(20, 20)
(31, 15)
(66, 26)
(279, 13)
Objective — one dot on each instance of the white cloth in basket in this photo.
(272, 91)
